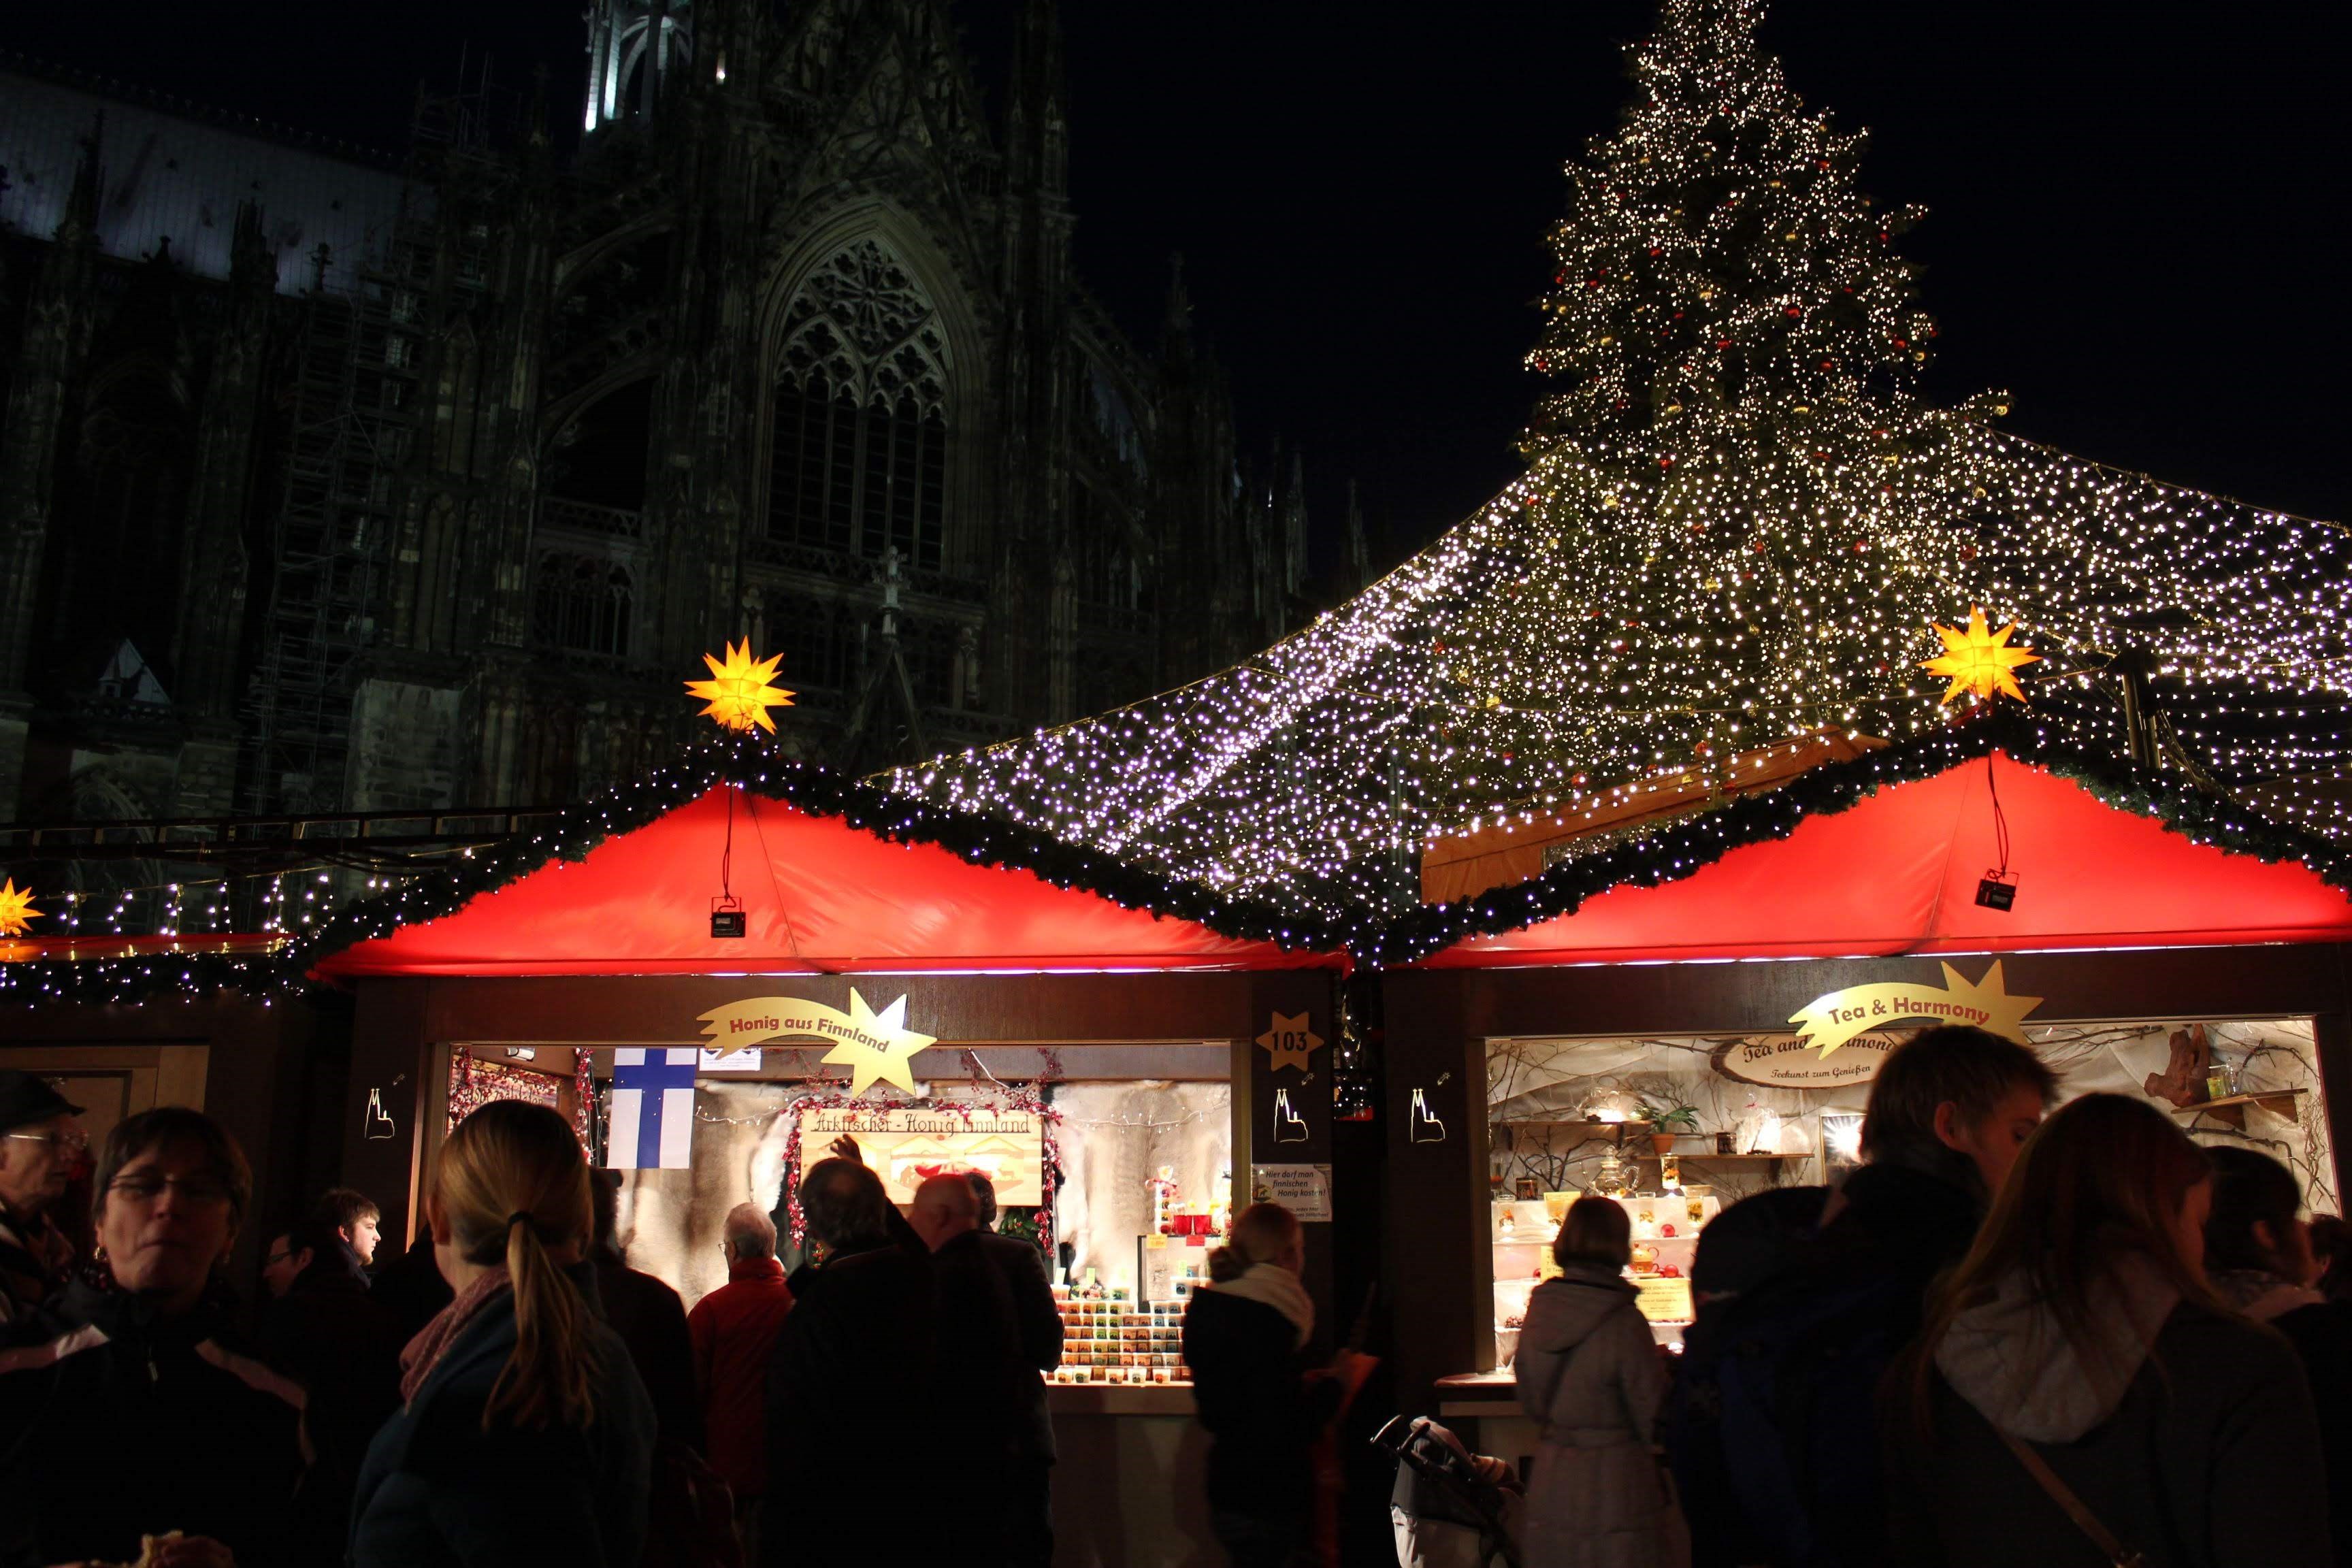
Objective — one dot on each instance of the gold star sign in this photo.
(1290, 1042)
(738, 691)
(16, 909)
(1980, 659)
(877, 1046)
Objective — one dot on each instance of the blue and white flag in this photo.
(652, 1110)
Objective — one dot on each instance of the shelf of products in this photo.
(2230, 1109)
(1109, 1338)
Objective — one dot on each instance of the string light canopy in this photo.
(1740, 526)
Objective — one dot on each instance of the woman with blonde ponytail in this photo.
(524, 1434)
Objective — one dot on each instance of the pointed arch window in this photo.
(859, 442)
(581, 603)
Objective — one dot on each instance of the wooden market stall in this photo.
(985, 972)
(2157, 934)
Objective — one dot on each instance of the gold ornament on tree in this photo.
(1980, 659)
(16, 909)
(737, 693)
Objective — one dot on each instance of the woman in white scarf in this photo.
(1244, 1336)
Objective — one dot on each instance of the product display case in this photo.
(1665, 1232)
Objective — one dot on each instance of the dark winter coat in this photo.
(2203, 1454)
(344, 1348)
(1036, 1325)
(855, 1362)
(650, 1318)
(733, 1331)
(1262, 1414)
(2321, 1332)
(35, 1259)
(121, 1424)
(1589, 1375)
(436, 1490)
(1870, 1266)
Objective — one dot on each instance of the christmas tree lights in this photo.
(1739, 525)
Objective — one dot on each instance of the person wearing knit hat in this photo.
(41, 1145)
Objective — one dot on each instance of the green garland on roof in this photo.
(806, 787)
(1678, 849)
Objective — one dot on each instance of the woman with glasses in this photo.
(134, 1416)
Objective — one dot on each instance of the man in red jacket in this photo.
(732, 1329)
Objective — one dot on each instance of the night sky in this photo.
(2132, 207)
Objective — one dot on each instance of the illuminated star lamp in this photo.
(737, 694)
(1980, 659)
(16, 909)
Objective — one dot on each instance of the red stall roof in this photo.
(1897, 873)
(820, 897)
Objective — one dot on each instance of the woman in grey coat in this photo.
(1589, 1375)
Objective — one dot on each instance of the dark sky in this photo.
(2132, 205)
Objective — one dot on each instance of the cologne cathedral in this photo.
(333, 482)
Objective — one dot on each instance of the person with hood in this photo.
(1590, 1378)
(2081, 1395)
(2258, 1254)
(40, 1145)
(136, 1413)
(1772, 1429)
(858, 1354)
(1244, 1336)
(524, 1435)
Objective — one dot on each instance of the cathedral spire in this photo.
(1176, 325)
(80, 220)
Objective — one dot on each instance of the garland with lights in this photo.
(748, 765)
(1738, 526)
(1684, 847)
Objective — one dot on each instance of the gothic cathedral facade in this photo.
(331, 483)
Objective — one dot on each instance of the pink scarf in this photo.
(433, 1340)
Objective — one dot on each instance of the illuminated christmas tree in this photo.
(1740, 527)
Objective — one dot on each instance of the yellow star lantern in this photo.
(1980, 659)
(737, 693)
(16, 909)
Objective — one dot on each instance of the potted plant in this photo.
(1667, 1121)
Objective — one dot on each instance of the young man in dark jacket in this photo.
(1773, 1432)
(650, 1318)
(344, 1348)
(1029, 1523)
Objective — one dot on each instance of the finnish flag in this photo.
(652, 1110)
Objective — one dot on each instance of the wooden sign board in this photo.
(908, 1145)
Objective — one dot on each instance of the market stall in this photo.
(949, 995)
(1690, 1012)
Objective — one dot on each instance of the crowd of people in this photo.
(2007, 1338)
(2011, 1336)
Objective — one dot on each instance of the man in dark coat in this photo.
(343, 1347)
(856, 1361)
(991, 1343)
(1038, 1323)
(40, 1145)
